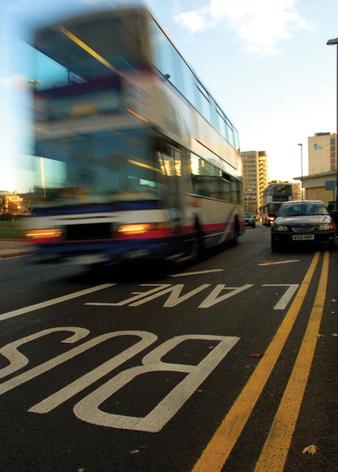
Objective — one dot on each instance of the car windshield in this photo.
(248, 215)
(303, 209)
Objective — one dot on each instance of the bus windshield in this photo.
(102, 166)
(273, 208)
(81, 50)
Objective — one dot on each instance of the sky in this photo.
(266, 63)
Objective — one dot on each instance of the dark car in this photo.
(250, 220)
(300, 222)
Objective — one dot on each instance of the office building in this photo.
(321, 149)
(255, 179)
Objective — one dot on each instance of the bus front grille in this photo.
(85, 232)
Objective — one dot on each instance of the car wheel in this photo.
(332, 245)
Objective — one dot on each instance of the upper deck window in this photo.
(86, 49)
(169, 62)
(204, 102)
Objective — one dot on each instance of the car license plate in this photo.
(303, 237)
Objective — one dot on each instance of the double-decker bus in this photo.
(269, 212)
(133, 157)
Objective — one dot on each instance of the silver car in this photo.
(250, 220)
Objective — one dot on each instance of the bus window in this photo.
(189, 84)
(207, 180)
(204, 102)
(172, 168)
(166, 58)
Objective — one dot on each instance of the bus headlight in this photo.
(50, 233)
(130, 229)
(148, 229)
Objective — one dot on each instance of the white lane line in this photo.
(285, 299)
(7, 258)
(185, 274)
(278, 262)
(53, 301)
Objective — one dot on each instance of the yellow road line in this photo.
(276, 447)
(221, 444)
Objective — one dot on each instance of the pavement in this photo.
(13, 248)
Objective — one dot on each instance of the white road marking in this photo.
(175, 297)
(7, 258)
(53, 301)
(45, 366)
(285, 299)
(17, 360)
(186, 274)
(88, 409)
(67, 392)
(138, 295)
(278, 262)
(213, 298)
(79, 333)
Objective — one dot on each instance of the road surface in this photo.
(228, 364)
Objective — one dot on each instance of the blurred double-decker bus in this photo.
(133, 157)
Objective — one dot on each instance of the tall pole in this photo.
(301, 167)
(335, 43)
(336, 147)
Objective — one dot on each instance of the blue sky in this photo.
(265, 61)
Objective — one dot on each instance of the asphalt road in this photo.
(229, 364)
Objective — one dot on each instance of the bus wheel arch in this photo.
(236, 231)
(197, 244)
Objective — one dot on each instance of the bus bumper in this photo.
(92, 253)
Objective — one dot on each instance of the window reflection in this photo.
(98, 166)
(209, 181)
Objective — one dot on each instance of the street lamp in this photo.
(301, 167)
(334, 42)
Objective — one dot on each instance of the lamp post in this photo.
(301, 167)
(334, 42)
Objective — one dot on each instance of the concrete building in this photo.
(255, 179)
(319, 186)
(321, 149)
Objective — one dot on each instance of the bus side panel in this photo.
(216, 219)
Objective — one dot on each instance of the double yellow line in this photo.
(275, 450)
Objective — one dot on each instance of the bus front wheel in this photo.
(235, 237)
(197, 246)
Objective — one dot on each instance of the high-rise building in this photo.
(255, 179)
(322, 148)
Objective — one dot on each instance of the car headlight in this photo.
(325, 227)
(281, 228)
